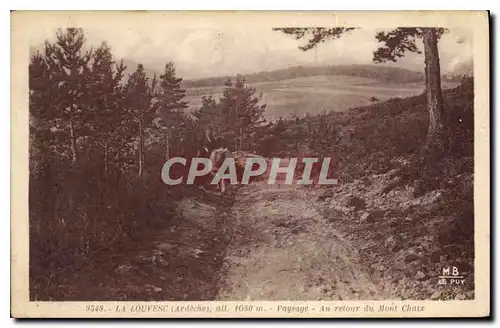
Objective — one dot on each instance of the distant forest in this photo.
(379, 72)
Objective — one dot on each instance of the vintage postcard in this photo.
(250, 164)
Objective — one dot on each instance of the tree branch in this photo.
(317, 34)
(399, 41)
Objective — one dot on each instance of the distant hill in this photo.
(460, 70)
(379, 72)
(466, 68)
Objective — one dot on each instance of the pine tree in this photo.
(171, 106)
(395, 44)
(241, 113)
(67, 62)
(42, 116)
(109, 117)
(139, 103)
(210, 116)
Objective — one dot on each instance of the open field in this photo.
(296, 97)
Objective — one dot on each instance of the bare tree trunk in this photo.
(241, 139)
(436, 135)
(118, 161)
(106, 159)
(74, 159)
(73, 141)
(167, 144)
(141, 149)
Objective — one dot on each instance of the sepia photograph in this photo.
(250, 164)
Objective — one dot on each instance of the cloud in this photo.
(241, 49)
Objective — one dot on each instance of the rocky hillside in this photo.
(407, 219)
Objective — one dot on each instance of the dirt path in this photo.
(283, 249)
(261, 242)
(276, 242)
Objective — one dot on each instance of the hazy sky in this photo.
(212, 52)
